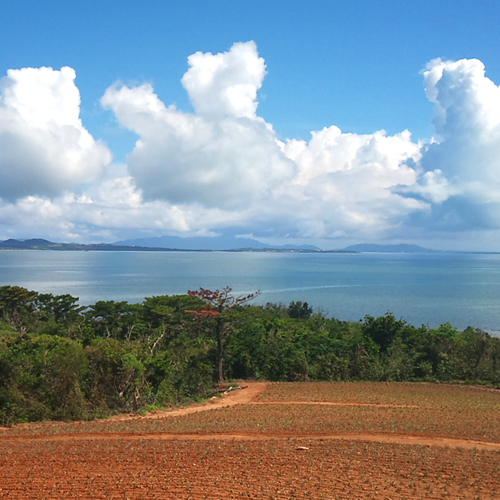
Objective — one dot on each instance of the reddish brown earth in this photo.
(177, 454)
(245, 394)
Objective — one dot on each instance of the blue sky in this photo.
(355, 65)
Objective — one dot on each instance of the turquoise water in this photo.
(420, 288)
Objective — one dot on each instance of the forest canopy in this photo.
(61, 360)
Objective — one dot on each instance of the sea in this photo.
(427, 288)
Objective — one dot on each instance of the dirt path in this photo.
(246, 395)
(442, 442)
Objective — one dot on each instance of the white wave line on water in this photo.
(317, 287)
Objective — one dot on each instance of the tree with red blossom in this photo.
(217, 305)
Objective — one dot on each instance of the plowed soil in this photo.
(335, 441)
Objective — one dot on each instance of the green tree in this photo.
(17, 306)
(118, 320)
(218, 305)
(42, 378)
(383, 330)
(60, 315)
(165, 317)
(300, 310)
(117, 374)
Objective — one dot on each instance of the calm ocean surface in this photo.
(420, 288)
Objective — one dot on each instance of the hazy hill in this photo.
(207, 243)
(33, 244)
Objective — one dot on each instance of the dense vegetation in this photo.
(59, 360)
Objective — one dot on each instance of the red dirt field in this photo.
(279, 441)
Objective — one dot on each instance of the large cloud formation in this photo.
(221, 156)
(44, 148)
(225, 156)
(460, 172)
(223, 168)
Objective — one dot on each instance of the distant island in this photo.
(155, 245)
(41, 244)
(209, 244)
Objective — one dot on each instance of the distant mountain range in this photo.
(158, 244)
(173, 243)
(32, 244)
(207, 243)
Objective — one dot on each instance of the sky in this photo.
(293, 122)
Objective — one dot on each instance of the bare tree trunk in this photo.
(220, 349)
(219, 302)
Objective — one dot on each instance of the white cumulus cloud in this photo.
(461, 169)
(44, 148)
(346, 181)
(225, 84)
(224, 155)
